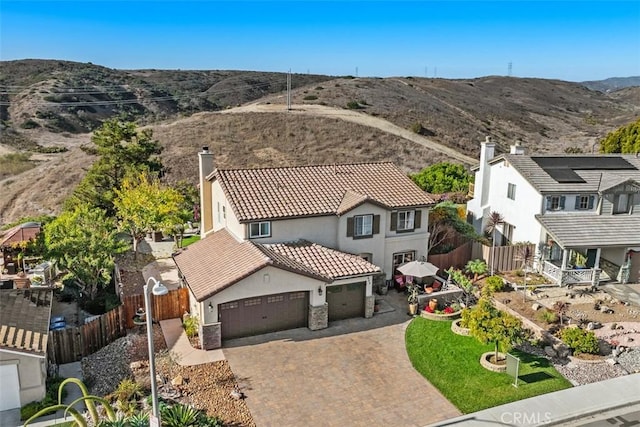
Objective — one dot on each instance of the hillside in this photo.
(191, 109)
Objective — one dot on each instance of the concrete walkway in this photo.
(629, 293)
(180, 348)
(573, 406)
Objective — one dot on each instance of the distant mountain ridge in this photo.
(613, 83)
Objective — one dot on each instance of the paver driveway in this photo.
(342, 376)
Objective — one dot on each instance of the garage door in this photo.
(10, 387)
(254, 316)
(346, 301)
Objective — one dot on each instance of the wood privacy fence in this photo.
(169, 306)
(505, 258)
(72, 344)
(457, 258)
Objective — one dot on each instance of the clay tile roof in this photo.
(286, 192)
(24, 320)
(217, 262)
(318, 259)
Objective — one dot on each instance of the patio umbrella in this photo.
(418, 269)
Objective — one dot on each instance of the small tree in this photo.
(477, 267)
(469, 288)
(495, 219)
(488, 324)
(560, 308)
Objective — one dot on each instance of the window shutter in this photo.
(417, 218)
(350, 227)
(577, 206)
(394, 221)
(376, 224)
(548, 203)
(562, 199)
(591, 200)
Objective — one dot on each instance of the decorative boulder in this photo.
(536, 306)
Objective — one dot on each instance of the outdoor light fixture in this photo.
(320, 290)
(158, 289)
(210, 307)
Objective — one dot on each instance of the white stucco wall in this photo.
(31, 373)
(615, 255)
(258, 284)
(227, 220)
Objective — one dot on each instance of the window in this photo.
(507, 233)
(363, 225)
(622, 203)
(584, 202)
(405, 220)
(218, 208)
(260, 229)
(555, 203)
(401, 258)
(511, 191)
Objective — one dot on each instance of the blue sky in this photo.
(573, 40)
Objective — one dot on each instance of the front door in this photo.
(634, 270)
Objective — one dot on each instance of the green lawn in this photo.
(189, 240)
(452, 364)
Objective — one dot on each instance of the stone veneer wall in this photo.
(211, 336)
(318, 317)
(369, 302)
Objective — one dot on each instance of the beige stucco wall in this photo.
(373, 245)
(321, 230)
(31, 374)
(267, 281)
(229, 219)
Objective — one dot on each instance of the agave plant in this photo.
(179, 416)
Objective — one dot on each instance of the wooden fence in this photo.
(73, 343)
(169, 306)
(457, 258)
(504, 258)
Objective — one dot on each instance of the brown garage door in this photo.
(346, 301)
(254, 316)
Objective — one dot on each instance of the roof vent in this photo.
(517, 148)
(205, 149)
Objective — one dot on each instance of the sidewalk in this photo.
(560, 407)
(180, 348)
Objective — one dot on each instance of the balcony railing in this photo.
(569, 276)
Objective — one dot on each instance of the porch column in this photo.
(596, 265)
(595, 277)
(565, 257)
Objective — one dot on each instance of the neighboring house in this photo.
(583, 211)
(24, 329)
(12, 242)
(298, 246)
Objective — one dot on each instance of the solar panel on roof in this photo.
(584, 163)
(565, 175)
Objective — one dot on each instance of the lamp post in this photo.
(158, 289)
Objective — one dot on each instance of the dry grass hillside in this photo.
(353, 119)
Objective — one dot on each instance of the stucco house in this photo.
(24, 329)
(298, 246)
(582, 211)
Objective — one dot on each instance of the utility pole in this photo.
(510, 68)
(289, 90)
(356, 71)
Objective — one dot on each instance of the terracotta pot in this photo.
(433, 304)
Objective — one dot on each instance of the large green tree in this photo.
(445, 222)
(83, 242)
(143, 205)
(443, 177)
(624, 140)
(122, 149)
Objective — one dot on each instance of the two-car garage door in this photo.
(259, 315)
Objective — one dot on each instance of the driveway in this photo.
(354, 373)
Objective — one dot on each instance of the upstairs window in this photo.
(622, 203)
(511, 191)
(555, 203)
(363, 226)
(405, 220)
(584, 202)
(260, 229)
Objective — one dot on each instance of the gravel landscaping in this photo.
(207, 387)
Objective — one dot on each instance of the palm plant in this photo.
(494, 220)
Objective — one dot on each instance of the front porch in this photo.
(571, 276)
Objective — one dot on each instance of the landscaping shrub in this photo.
(494, 284)
(190, 325)
(580, 341)
(547, 316)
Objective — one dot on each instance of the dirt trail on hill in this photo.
(354, 117)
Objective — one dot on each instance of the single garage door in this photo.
(10, 387)
(346, 301)
(254, 316)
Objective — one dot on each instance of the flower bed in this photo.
(440, 316)
(457, 329)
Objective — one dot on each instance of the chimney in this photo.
(487, 151)
(483, 176)
(206, 196)
(517, 149)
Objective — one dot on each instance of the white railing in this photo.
(550, 270)
(577, 276)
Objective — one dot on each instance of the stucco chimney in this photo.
(516, 148)
(206, 203)
(487, 152)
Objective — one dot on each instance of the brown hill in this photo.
(332, 120)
